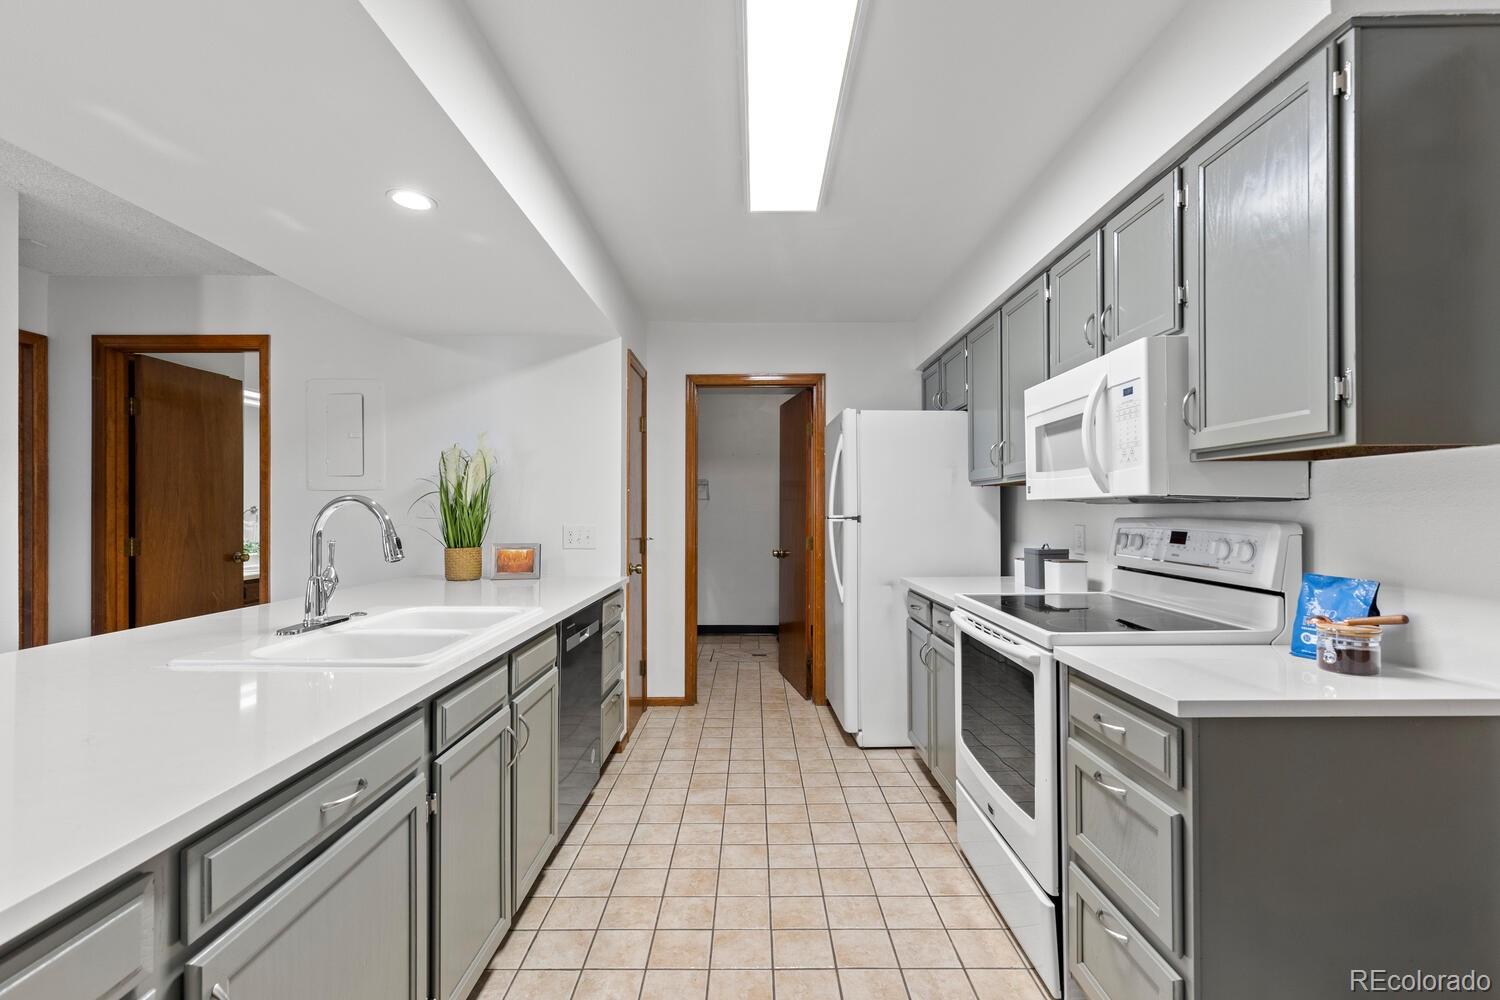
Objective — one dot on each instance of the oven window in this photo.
(998, 713)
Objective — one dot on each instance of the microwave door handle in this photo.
(1090, 442)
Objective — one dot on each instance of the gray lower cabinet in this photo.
(534, 773)
(918, 684)
(1105, 954)
(106, 952)
(353, 923)
(1023, 364)
(944, 762)
(932, 386)
(932, 701)
(1073, 319)
(471, 847)
(1143, 266)
(985, 387)
(955, 365)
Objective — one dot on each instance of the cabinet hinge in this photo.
(1343, 387)
(432, 803)
(1343, 80)
(1181, 294)
(132, 547)
(1047, 291)
(643, 424)
(643, 668)
(1181, 197)
(131, 406)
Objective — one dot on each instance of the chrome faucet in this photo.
(323, 580)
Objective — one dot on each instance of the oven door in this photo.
(1008, 751)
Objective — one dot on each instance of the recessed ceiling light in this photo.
(795, 55)
(414, 200)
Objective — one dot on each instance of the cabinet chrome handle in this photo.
(512, 732)
(219, 992)
(1108, 725)
(942, 398)
(1186, 398)
(527, 741)
(1112, 789)
(1104, 323)
(935, 396)
(343, 800)
(1122, 938)
(1088, 327)
(995, 453)
(923, 654)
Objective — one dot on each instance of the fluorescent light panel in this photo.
(795, 53)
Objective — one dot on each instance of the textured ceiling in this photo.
(85, 231)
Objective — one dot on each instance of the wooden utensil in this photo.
(1378, 620)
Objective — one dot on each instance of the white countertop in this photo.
(112, 757)
(1269, 682)
(943, 588)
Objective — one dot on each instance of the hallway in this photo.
(743, 848)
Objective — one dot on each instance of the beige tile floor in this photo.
(745, 848)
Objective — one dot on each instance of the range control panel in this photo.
(1252, 552)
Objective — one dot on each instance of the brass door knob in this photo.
(240, 556)
(636, 569)
(780, 553)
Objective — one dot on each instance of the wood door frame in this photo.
(32, 529)
(815, 513)
(634, 365)
(110, 598)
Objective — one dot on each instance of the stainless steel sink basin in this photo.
(474, 619)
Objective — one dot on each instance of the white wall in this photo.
(868, 365)
(739, 453)
(33, 301)
(548, 404)
(10, 443)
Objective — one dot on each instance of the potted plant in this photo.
(462, 507)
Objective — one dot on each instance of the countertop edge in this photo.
(931, 587)
(39, 908)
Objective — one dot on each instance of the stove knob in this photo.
(1245, 551)
(1221, 549)
(1122, 541)
(1137, 541)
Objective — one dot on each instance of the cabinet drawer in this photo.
(533, 659)
(1138, 737)
(942, 622)
(98, 954)
(458, 711)
(1130, 839)
(612, 718)
(1107, 955)
(919, 608)
(614, 656)
(614, 607)
(223, 869)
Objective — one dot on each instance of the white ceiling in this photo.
(953, 108)
(70, 227)
(273, 129)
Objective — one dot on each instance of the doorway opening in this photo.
(754, 516)
(182, 476)
(33, 477)
(636, 557)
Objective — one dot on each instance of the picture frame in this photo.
(513, 560)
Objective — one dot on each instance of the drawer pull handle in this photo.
(343, 800)
(1122, 938)
(1113, 789)
(1108, 725)
(219, 992)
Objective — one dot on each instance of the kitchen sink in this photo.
(365, 647)
(470, 619)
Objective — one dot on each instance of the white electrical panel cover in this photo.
(345, 434)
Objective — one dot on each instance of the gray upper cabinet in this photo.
(1143, 266)
(932, 386)
(535, 781)
(353, 923)
(955, 365)
(1073, 322)
(1023, 364)
(471, 843)
(984, 402)
(1260, 256)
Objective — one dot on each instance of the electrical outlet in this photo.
(578, 536)
(1080, 541)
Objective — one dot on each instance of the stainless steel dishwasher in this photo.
(578, 713)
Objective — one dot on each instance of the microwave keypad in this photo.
(1127, 427)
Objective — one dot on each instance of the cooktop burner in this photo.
(1095, 612)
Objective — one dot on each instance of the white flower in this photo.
(451, 466)
(476, 474)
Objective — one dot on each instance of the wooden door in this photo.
(635, 547)
(187, 491)
(1073, 319)
(33, 477)
(795, 645)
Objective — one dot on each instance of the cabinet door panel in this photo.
(1260, 321)
(955, 378)
(1073, 321)
(944, 716)
(984, 402)
(1142, 267)
(919, 711)
(352, 923)
(932, 386)
(534, 782)
(471, 894)
(1023, 364)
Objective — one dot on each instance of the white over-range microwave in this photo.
(1115, 429)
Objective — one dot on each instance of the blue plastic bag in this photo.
(1334, 597)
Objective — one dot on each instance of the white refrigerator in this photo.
(899, 504)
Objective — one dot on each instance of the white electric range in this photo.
(1173, 581)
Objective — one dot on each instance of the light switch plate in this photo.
(1080, 541)
(345, 434)
(578, 536)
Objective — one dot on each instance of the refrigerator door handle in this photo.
(833, 467)
(833, 560)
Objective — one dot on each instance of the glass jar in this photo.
(1349, 649)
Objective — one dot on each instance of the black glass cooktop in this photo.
(1096, 613)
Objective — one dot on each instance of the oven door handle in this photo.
(1090, 441)
(969, 625)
